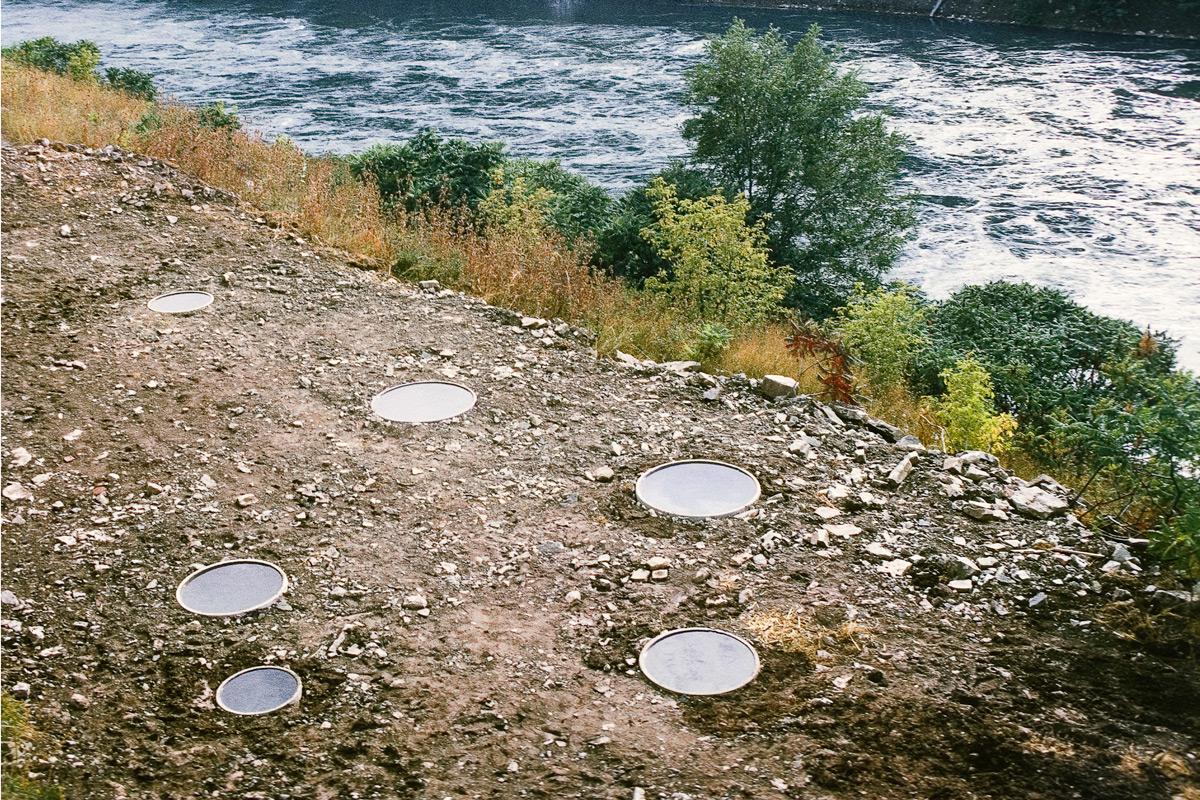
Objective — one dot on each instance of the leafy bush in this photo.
(217, 117)
(712, 340)
(967, 411)
(131, 81)
(884, 329)
(1045, 352)
(785, 128)
(76, 60)
(573, 206)
(149, 122)
(620, 247)
(428, 170)
(719, 267)
(516, 206)
(1142, 441)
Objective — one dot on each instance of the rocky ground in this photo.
(468, 598)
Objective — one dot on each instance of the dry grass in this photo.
(41, 105)
(805, 634)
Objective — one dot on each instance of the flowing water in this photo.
(1066, 159)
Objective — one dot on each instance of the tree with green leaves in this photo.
(785, 128)
(720, 271)
(428, 170)
(883, 329)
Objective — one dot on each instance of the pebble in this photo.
(778, 386)
(603, 474)
(414, 602)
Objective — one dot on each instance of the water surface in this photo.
(1069, 160)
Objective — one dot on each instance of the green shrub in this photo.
(620, 247)
(711, 342)
(967, 411)
(1044, 352)
(77, 60)
(149, 122)
(217, 117)
(719, 266)
(1142, 441)
(515, 205)
(884, 330)
(131, 81)
(574, 207)
(786, 129)
(428, 170)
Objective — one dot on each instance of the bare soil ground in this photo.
(146, 444)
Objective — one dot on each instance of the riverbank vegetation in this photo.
(764, 252)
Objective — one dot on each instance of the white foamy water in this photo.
(1063, 159)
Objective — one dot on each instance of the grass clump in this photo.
(17, 741)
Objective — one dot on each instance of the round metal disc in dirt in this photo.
(258, 690)
(231, 587)
(181, 302)
(699, 661)
(698, 489)
(423, 401)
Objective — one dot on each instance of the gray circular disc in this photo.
(181, 302)
(697, 489)
(231, 587)
(258, 690)
(699, 661)
(423, 401)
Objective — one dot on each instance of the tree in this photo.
(620, 247)
(428, 170)
(884, 329)
(719, 267)
(1046, 353)
(784, 128)
(573, 206)
(967, 411)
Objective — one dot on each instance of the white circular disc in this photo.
(699, 661)
(181, 302)
(231, 587)
(697, 489)
(259, 690)
(423, 401)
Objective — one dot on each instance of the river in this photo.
(1065, 159)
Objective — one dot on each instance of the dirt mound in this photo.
(468, 598)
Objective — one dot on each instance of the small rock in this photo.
(901, 471)
(713, 394)
(778, 386)
(640, 575)
(430, 286)
(603, 474)
(16, 491)
(1030, 501)
(246, 500)
(65, 231)
(20, 690)
(80, 701)
(658, 562)
(910, 443)
(415, 602)
(1037, 599)
(573, 597)
(961, 585)
(20, 457)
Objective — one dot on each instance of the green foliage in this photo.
(785, 128)
(712, 340)
(719, 266)
(516, 206)
(967, 411)
(131, 81)
(1045, 352)
(428, 171)
(573, 206)
(620, 247)
(1142, 438)
(77, 60)
(216, 117)
(149, 122)
(884, 329)
(16, 736)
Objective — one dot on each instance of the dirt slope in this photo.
(138, 445)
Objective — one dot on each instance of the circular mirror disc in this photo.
(423, 401)
(699, 661)
(231, 587)
(258, 690)
(698, 489)
(181, 302)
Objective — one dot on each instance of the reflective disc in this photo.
(180, 302)
(697, 489)
(258, 690)
(423, 401)
(231, 587)
(700, 661)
